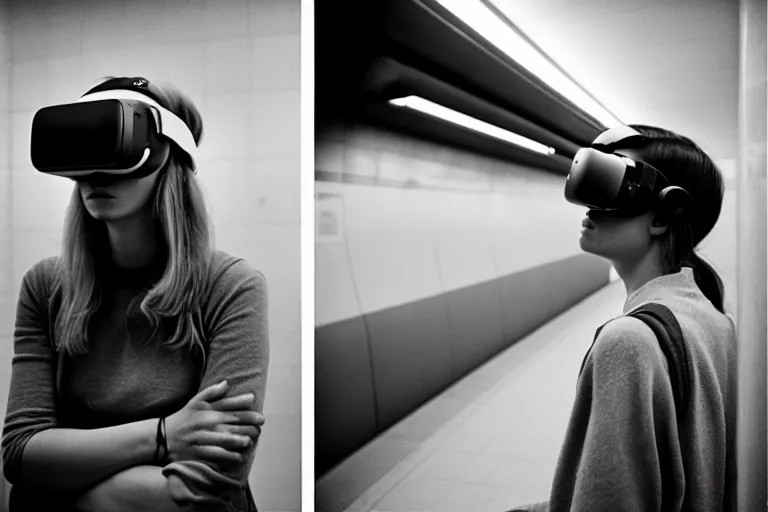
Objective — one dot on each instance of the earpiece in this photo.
(674, 203)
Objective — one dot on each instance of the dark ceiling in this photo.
(367, 52)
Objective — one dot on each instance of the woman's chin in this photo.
(106, 215)
(589, 246)
(101, 215)
(583, 242)
(586, 244)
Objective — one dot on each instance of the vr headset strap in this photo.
(670, 337)
(169, 124)
(609, 139)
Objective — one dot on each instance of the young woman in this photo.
(140, 353)
(629, 445)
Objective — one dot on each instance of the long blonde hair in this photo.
(180, 212)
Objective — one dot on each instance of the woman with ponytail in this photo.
(140, 353)
(653, 423)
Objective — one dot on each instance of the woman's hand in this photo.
(212, 428)
(206, 464)
(248, 422)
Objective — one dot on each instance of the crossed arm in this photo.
(144, 486)
(111, 468)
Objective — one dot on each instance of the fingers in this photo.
(226, 440)
(247, 418)
(215, 418)
(251, 431)
(235, 403)
(217, 454)
(212, 393)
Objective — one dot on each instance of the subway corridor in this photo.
(490, 441)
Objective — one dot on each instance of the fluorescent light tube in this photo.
(483, 20)
(452, 116)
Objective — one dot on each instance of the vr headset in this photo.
(108, 135)
(601, 178)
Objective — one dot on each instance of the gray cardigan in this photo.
(622, 448)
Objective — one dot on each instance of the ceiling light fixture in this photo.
(452, 116)
(499, 33)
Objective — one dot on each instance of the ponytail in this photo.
(687, 166)
(707, 279)
(680, 251)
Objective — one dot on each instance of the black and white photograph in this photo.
(383, 255)
(150, 328)
(540, 245)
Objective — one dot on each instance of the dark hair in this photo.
(686, 165)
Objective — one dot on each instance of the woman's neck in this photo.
(133, 241)
(636, 273)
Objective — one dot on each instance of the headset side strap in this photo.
(170, 125)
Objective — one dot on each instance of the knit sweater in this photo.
(623, 450)
(127, 375)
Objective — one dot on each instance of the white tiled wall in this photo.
(469, 219)
(239, 61)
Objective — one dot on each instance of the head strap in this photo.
(168, 123)
(625, 136)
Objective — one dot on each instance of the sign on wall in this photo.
(329, 218)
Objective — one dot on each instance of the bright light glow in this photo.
(497, 32)
(452, 116)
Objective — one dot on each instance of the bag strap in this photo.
(670, 337)
(667, 330)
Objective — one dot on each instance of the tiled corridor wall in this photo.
(429, 260)
(428, 217)
(239, 61)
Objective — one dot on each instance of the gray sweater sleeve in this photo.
(32, 394)
(621, 441)
(238, 351)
